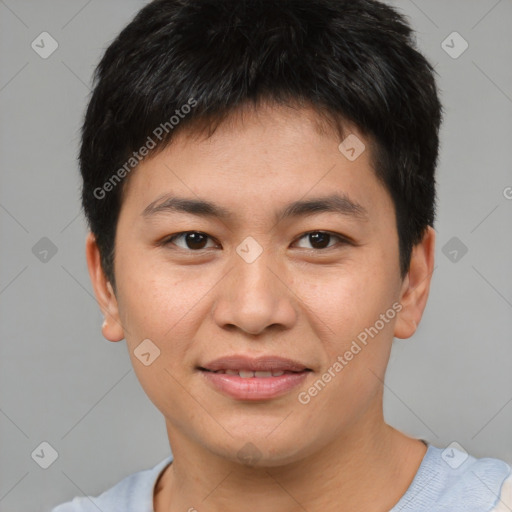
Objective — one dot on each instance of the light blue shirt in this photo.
(447, 480)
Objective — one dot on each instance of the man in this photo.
(259, 182)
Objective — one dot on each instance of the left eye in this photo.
(320, 239)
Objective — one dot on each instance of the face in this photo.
(310, 296)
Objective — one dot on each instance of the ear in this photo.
(112, 329)
(416, 286)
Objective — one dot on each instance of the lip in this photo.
(262, 363)
(254, 388)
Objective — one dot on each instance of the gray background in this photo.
(62, 383)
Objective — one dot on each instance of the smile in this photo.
(248, 374)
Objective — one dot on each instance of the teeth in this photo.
(247, 374)
(263, 374)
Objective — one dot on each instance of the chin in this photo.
(257, 450)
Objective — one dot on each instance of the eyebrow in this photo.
(334, 203)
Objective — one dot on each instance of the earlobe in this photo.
(111, 329)
(416, 286)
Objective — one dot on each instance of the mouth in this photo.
(244, 378)
(249, 374)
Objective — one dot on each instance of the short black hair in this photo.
(188, 64)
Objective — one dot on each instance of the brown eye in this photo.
(321, 239)
(193, 240)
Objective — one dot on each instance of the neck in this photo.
(370, 464)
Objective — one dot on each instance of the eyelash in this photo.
(342, 240)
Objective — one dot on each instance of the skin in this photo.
(334, 453)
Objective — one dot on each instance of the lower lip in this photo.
(254, 388)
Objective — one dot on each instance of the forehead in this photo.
(258, 158)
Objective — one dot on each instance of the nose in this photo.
(255, 296)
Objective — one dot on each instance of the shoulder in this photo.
(451, 480)
(132, 493)
(481, 483)
(504, 503)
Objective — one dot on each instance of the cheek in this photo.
(157, 305)
(346, 302)
(356, 341)
(158, 301)
(357, 344)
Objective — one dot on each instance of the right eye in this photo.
(193, 240)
